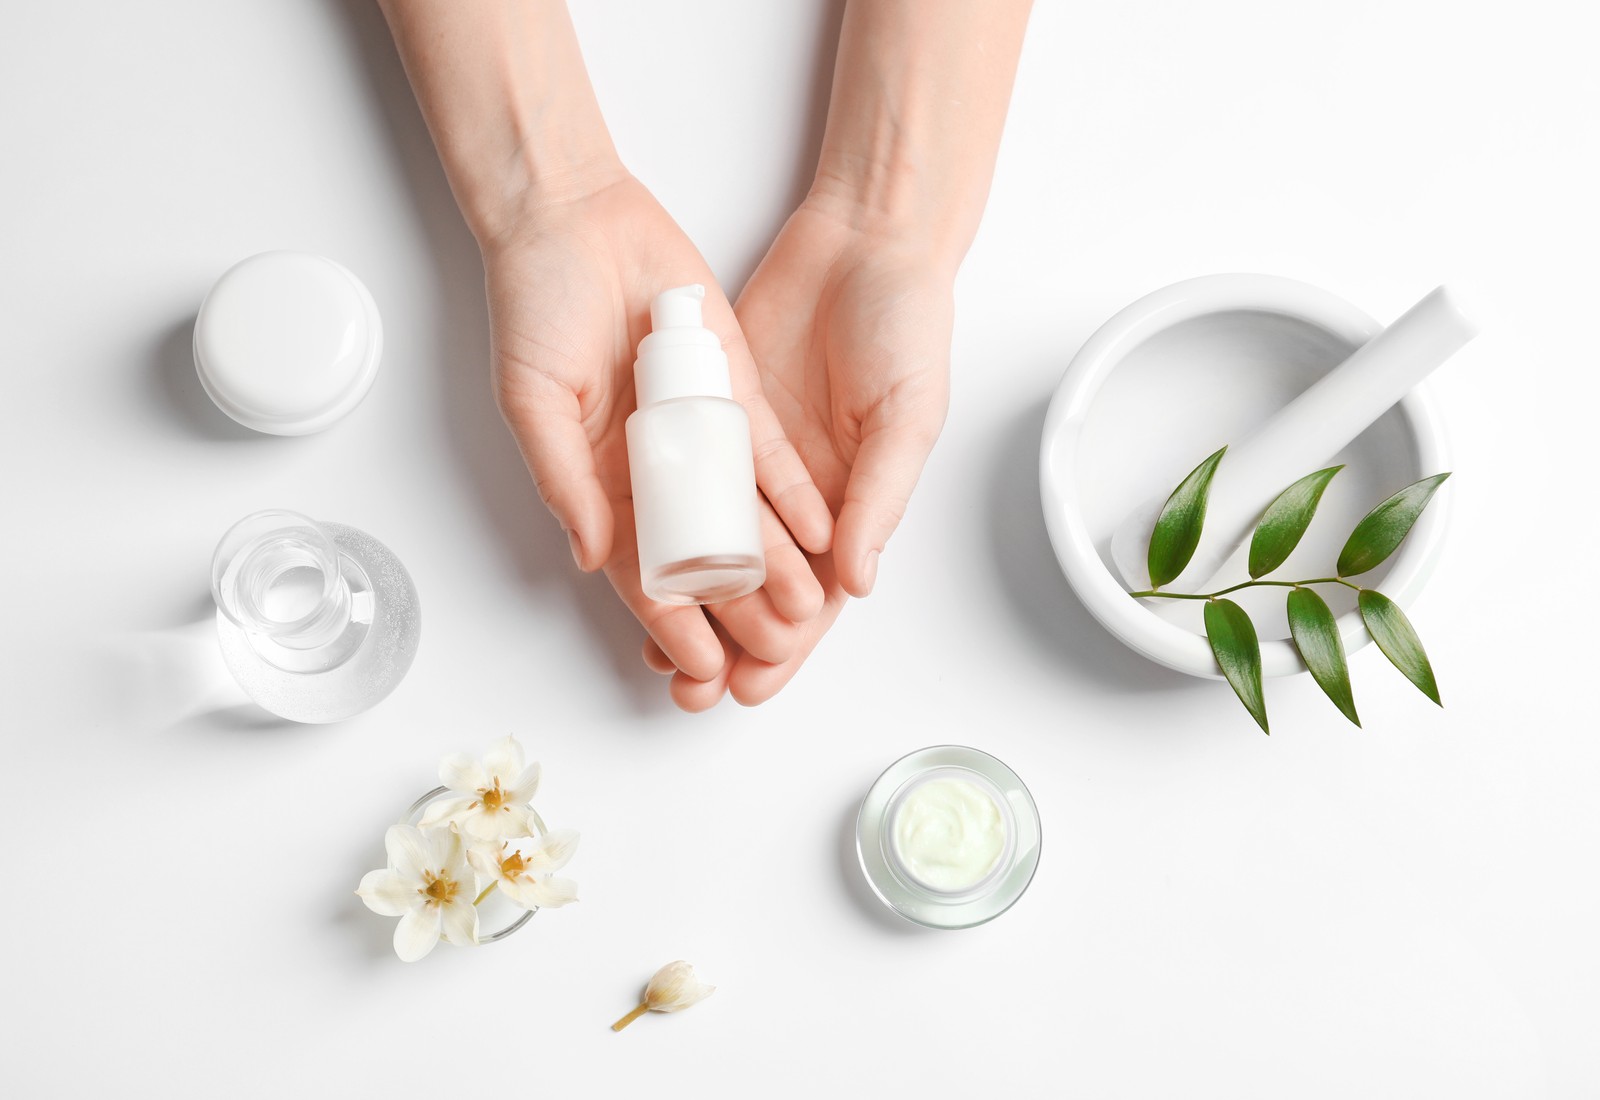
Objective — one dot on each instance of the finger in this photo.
(785, 481)
(764, 622)
(886, 469)
(694, 695)
(655, 658)
(684, 633)
(546, 420)
(756, 627)
(795, 591)
(753, 681)
(780, 474)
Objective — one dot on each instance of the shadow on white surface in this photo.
(855, 883)
(173, 679)
(177, 393)
(823, 51)
(508, 504)
(371, 934)
(1044, 603)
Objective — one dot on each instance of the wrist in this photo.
(540, 177)
(507, 99)
(886, 205)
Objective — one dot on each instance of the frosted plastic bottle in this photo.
(317, 621)
(689, 457)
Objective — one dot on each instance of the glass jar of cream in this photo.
(948, 837)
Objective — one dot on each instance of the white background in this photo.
(1407, 910)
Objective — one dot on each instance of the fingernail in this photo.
(577, 547)
(870, 567)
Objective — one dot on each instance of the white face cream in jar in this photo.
(948, 837)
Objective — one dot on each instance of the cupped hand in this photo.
(569, 287)
(850, 328)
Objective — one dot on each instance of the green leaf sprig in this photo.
(1311, 622)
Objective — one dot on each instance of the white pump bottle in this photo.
(690, 460)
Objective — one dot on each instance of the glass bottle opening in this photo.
(278, 574)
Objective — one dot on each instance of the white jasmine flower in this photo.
(428, 885)
(673, 987)
(524, 873)
(492, 796)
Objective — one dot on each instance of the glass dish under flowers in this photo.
(473, 861)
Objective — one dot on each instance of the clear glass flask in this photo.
(317, 621)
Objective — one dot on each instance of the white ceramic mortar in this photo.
(1213, 356)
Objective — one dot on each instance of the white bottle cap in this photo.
(680, 357)
(287, 342)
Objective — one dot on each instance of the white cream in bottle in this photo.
(689, 458)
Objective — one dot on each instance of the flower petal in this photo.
(525, 785)
(459, 922)
(520, 890)
(445, 852)
(516, 822)
(485, 860)
(416, 933)
(504, 761)
(551, 851)
(386, 893)
(508, 821)
(445, 809)
(460, 772)
(674, 987)
(551, 892)
(480, 825)
(408, 852)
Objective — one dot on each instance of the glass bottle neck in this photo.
(277, 575)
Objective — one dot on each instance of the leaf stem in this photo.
(1152, 594)
(487, 890)
(630, 1017)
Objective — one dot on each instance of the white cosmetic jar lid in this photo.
(901, 891)
(287, 342)
(1241, 300)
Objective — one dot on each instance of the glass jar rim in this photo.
(919, 905)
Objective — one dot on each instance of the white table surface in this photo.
(1409, 910)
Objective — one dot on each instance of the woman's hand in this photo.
(850, 313)
(569, 286)
(851, 330)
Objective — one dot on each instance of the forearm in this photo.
(507, 99)
(920, 93)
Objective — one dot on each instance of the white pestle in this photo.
(1302, 437)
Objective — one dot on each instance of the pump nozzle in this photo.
(680, 357)
(677, 308)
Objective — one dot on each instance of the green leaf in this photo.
(1394, 634)
(1383, 528)
(1233, 640)
(1316, 636)
(1177, 530)
(1279, 529)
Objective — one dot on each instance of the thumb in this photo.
(547, 421)
(886, 469)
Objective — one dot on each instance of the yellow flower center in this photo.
(441, 889)
(513, 865)
(493, 798)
